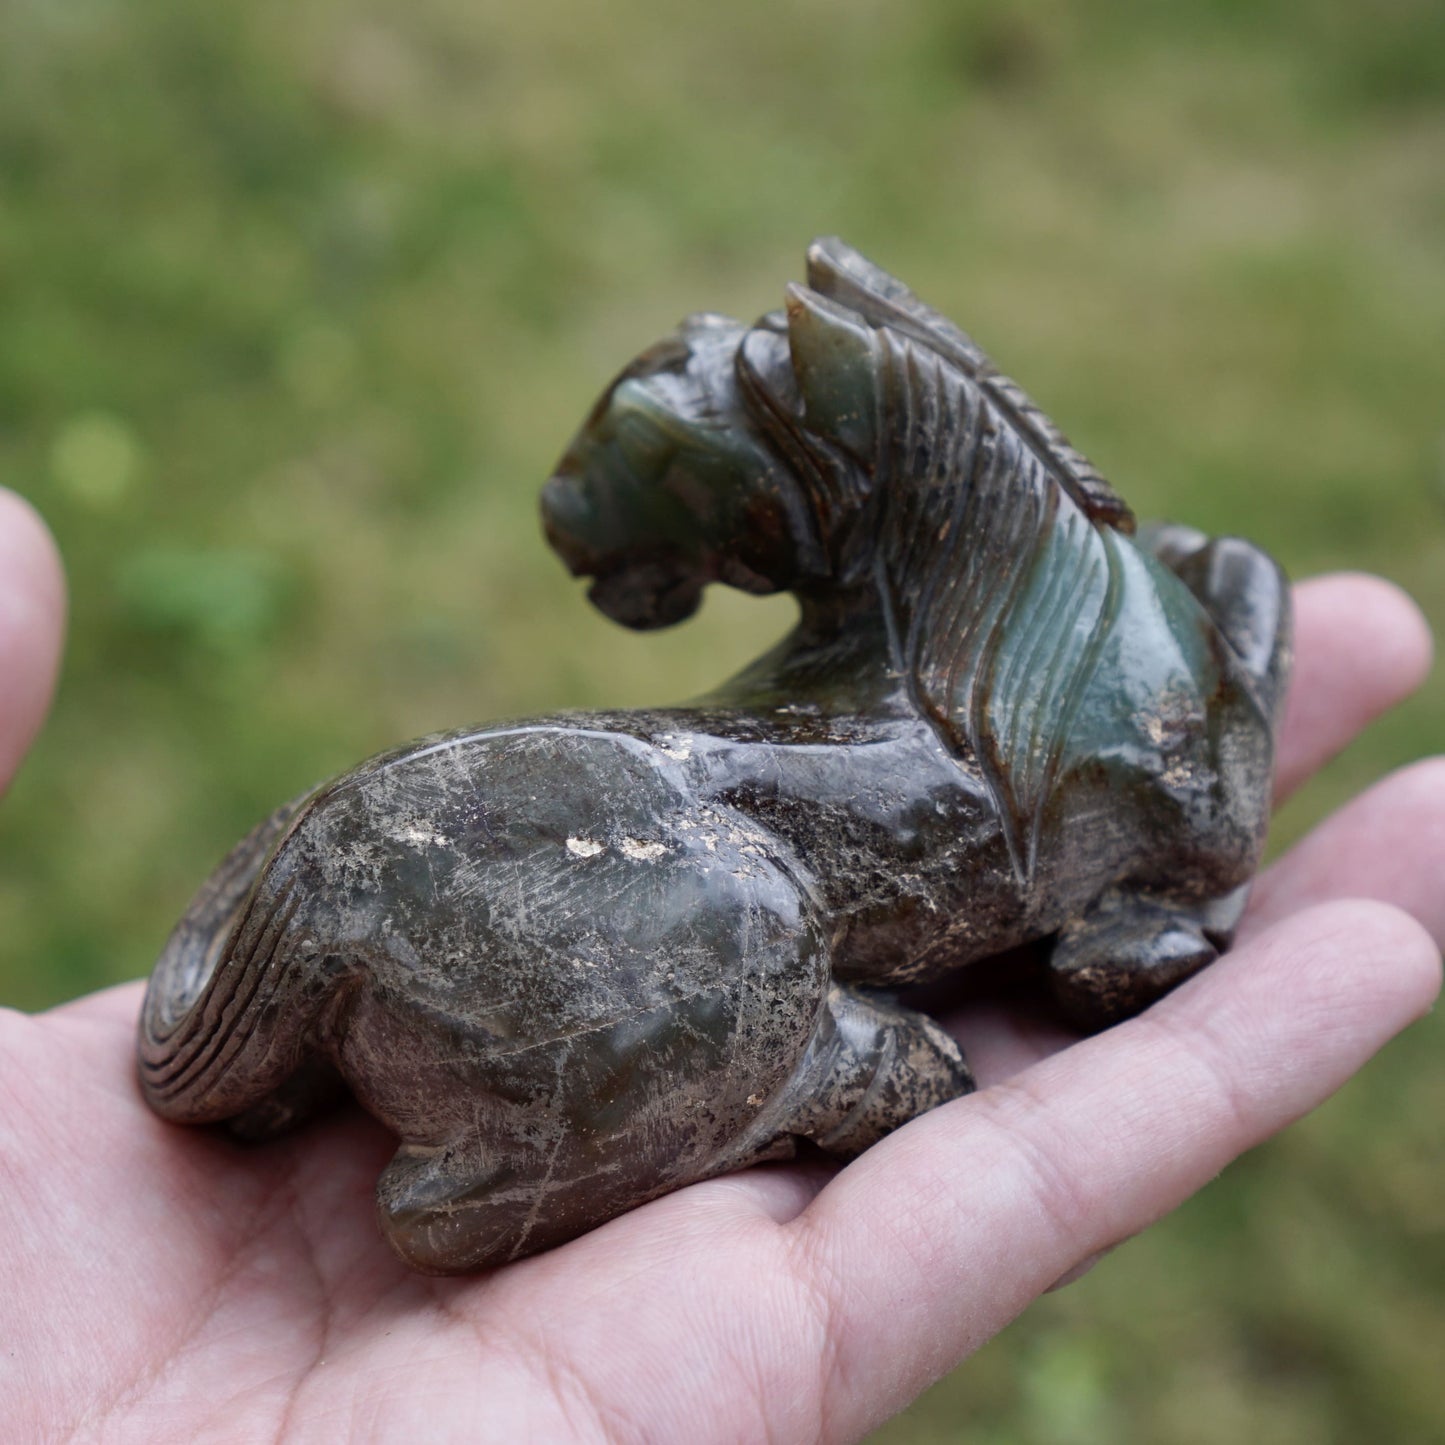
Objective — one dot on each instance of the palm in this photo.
(175, 1283)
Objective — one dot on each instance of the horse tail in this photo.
(232, 1002)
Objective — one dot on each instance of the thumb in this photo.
(32, 625)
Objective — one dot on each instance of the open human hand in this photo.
(168, 1284)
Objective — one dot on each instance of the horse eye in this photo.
(644, 443)
(669, 356)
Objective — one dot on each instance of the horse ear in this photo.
(837, 271)
(835, 360)
(850, 279)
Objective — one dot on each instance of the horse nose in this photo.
(565, 511)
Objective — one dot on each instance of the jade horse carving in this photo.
(577, 961)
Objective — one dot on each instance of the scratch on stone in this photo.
(545, 1185)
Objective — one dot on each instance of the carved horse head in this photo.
(672, 484)
(754, 456)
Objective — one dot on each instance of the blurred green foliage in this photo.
(298, 303)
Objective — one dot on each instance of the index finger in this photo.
(1361, 646)
(939, 1235)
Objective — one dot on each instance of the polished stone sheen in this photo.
(577, 961)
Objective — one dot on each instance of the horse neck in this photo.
(913, 540)
(998, 586)
(930, 546)
(840, 657)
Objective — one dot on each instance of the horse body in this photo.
(563, 955)
(576, 962)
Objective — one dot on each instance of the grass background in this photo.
(298, 303)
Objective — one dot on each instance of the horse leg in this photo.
(1244, 592)
(313, 1089)
(872, 1065)
(445, 1211)
(469, 1205)
(1128, 950)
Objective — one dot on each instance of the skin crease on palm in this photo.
(167, 1284)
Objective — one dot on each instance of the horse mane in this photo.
(837, 271)
(990, 536)
(1001, 585)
